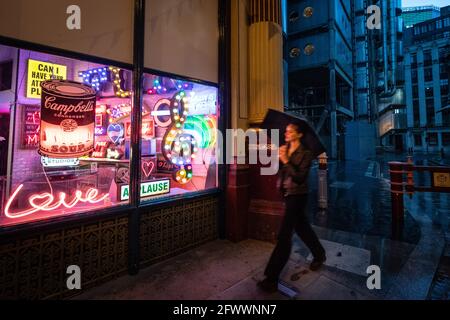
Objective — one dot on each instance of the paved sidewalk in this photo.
(356, 232)
(222, 270)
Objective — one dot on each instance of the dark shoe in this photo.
(268, 285)
(317, 263)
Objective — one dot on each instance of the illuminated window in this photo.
(179, 136)
(70, 138)
(309, 49)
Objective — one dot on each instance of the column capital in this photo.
(265, 11)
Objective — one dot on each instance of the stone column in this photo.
(265, 59)
(265, 91)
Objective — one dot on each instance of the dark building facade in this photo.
(320, 60)
(367, 64)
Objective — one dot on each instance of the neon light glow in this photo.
(179, 146)
(119, 112)
(118, 83)
(47, 202)
(160, 112)
(147, 168)
(203, 129)
(94, 77)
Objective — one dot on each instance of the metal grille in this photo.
(167, 231)
(35, 267)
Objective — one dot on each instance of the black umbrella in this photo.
(279, 120)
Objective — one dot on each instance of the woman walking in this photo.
(293, 183)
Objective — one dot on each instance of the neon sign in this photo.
(161, 113)
(115, 132)
(31, 121)
(180, 147)
(148, 167)
(148, 129)
(94, 77)
(48, 202)
(100, 120)
(148, 189)
(119, 83)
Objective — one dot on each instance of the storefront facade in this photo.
(109, 149)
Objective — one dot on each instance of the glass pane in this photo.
(179, 138)
(68, 143)
(102, 28)
(181, 37)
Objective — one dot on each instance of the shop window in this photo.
(179, 138)
(69, 140)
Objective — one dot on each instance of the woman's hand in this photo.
(283, 154)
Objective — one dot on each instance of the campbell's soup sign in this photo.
(67, 119)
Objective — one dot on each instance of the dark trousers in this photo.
(294, 219)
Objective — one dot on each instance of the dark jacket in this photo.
(293, 177)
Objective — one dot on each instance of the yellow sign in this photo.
(39, 71)
(441, 180)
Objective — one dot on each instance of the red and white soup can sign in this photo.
(67, 119)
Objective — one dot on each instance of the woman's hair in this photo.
(296, 127)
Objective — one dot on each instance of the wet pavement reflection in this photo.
(360, 203)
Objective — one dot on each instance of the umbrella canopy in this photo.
(279, 120)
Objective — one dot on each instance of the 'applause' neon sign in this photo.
(48, 202)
